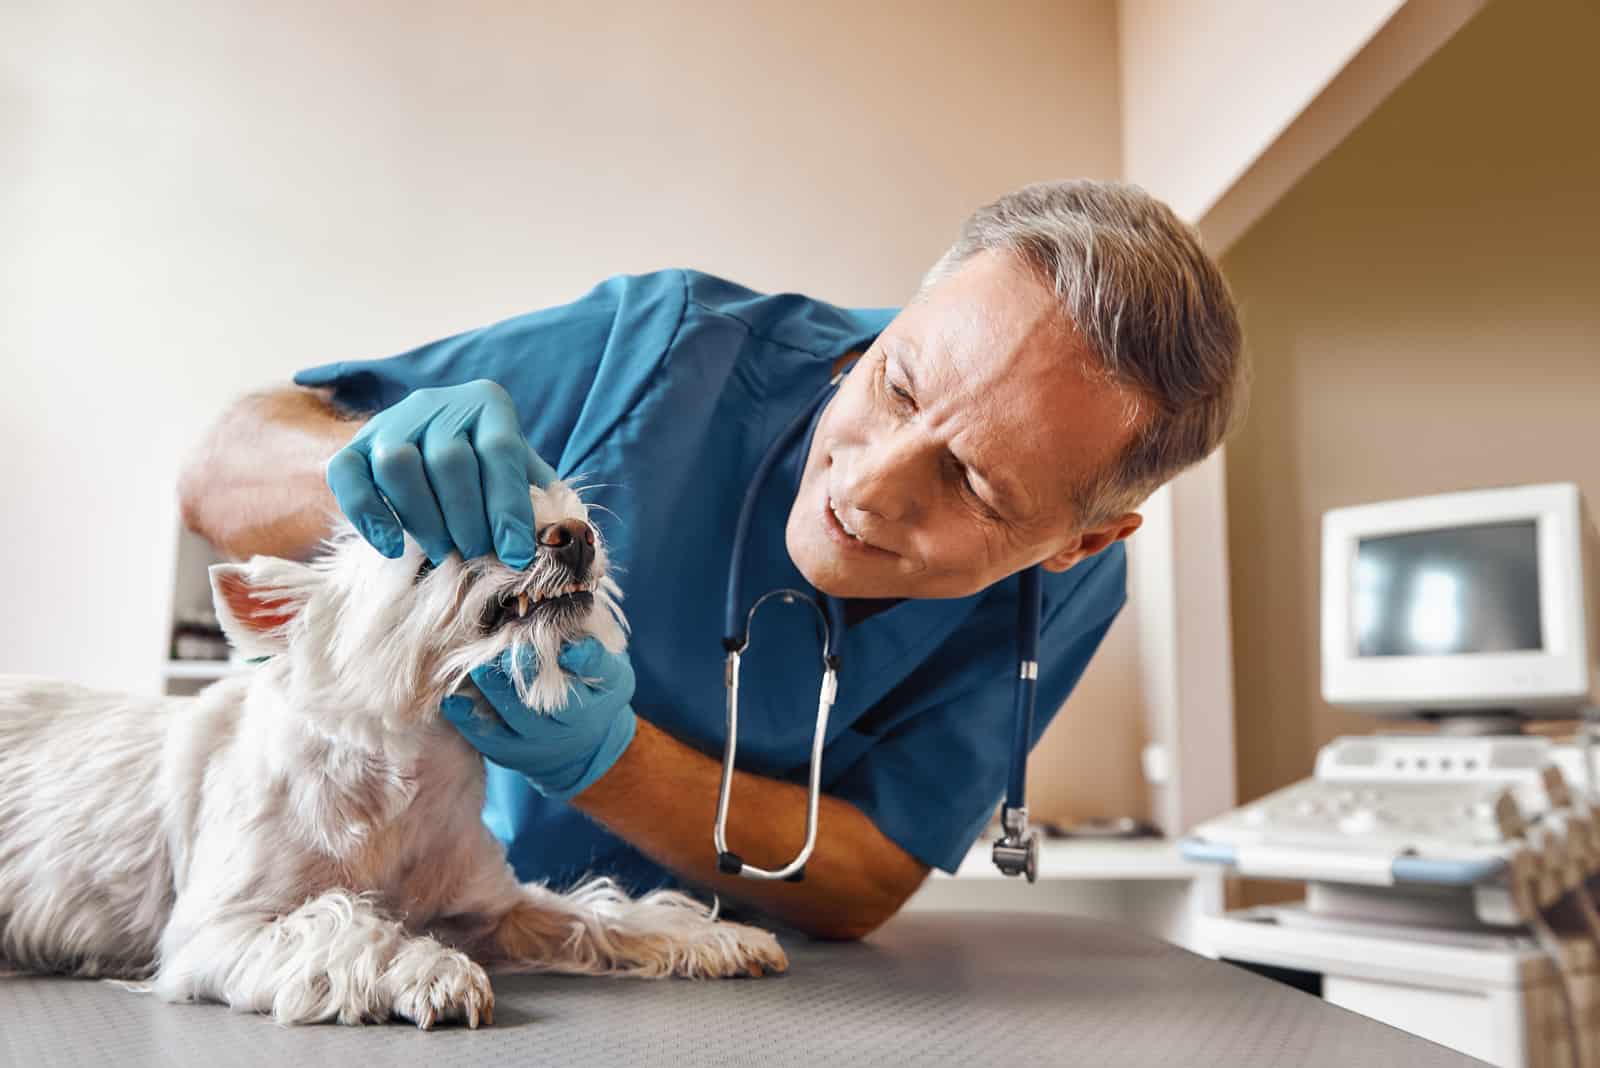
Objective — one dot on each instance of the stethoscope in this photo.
(1017, 851)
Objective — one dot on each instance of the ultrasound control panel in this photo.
(1384, 810)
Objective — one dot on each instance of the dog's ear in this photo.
(256, 602)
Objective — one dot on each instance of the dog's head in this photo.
(359, 633)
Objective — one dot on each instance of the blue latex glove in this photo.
(560, 753)
(453, 465)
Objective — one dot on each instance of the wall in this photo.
(199, 199)
(1225, 107)
(1422, 314)
(1207, 87)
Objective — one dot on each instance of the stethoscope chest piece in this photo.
(1017, 851)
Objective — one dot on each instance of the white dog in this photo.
(304, 839)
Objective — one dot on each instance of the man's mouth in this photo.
(841, 534)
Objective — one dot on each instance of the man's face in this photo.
(951, 449)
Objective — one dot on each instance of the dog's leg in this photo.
(336, 957)
(598, 930)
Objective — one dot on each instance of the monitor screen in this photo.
(1469, 589)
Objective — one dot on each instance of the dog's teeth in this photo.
(522, 604)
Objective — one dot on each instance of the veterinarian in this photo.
(1074, 350)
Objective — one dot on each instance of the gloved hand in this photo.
(453, 465)
(560, 753)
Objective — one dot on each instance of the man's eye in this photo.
(901, 397)
(971, 491)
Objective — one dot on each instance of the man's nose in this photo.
(571, 542)
(883, 478)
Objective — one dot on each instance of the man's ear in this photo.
(256, 602)
(1088, 542)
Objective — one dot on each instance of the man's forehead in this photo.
(961, 334)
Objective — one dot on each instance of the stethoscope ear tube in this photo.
(831, 617)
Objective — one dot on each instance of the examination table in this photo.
(929, 988)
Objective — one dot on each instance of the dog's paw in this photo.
(734, 950)
(447, 988)
(760, 952)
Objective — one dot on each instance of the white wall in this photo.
(198, 199)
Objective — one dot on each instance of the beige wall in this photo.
(1207, 87)
(204, 198)
(1424, 313)
(1086, 766)
(199, 198)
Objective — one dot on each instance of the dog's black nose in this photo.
(570, 541)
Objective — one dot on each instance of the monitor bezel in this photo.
(1556, 675)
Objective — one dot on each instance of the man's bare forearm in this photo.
(256, 485)
(661, 795)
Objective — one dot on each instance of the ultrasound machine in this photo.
(1451, 861)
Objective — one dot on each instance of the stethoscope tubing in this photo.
(1030, 598)
(735, 621)
(736, 638)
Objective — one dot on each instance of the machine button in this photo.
(1362, 821)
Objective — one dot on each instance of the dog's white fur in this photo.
(304, 839)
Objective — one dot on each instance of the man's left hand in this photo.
(561, 753)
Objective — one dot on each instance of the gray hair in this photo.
(1154, 309)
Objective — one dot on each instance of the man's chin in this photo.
(826, 577)
(826, 572)
(838, 579)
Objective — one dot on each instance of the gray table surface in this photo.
(929, 988)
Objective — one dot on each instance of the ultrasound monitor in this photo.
(1486, 602)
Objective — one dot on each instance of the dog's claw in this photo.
(755, 953)
(448, 989)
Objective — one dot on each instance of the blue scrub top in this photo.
(663, 391)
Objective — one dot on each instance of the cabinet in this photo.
(192, 660)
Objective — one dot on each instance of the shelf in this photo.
(1142, 858)
(200, 669)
